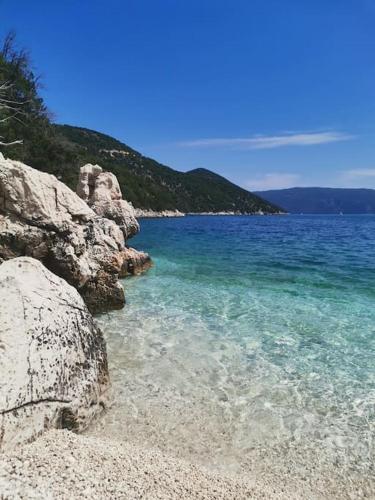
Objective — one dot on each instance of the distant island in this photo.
(320, 200)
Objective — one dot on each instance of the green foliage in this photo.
(27, 117)
(62, 150)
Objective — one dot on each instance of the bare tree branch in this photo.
(11, 106)
(20, 141)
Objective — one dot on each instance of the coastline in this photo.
(193, 393)
(141, 213)
(164, 446)
(152, 214)
(63, 465)
(204, 350)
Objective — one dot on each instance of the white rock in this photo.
(53, 363)
(39, 197)
(102, 192)
(86, 182)
(134, 262)
(42, 218)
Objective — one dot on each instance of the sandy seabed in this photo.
(63, 465)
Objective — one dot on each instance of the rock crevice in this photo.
(32, 403)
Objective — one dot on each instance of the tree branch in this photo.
(19, 141)
(12, 107)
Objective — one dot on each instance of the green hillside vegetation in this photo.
(62, 149)
(148, 184)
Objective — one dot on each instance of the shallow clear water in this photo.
(249, 333)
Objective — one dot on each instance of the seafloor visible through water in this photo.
(252, 338)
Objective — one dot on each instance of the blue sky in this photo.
(269, 93)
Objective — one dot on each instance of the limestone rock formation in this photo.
(101, 191)
(42, 218)
(53, 362)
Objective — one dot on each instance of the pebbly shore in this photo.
(63, 465)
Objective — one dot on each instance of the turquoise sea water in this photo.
(248, 333)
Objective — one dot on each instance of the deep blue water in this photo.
(251, 330)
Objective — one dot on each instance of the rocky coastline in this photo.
(62, 255)
(141, 213)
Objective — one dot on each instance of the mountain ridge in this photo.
(149, 184)
(322, 200)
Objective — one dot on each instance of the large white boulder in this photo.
(39, 197)
(53, 362)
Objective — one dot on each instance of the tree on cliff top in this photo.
(26, 131)
(22, 111)
(8, 111)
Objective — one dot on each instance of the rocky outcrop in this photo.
(53, 363)
(42, 218)
(101, 191)
(135, 262)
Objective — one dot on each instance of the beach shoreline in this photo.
(61, 464)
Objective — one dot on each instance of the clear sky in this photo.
(269, 93)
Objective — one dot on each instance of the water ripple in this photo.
(249, 332)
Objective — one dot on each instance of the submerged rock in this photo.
(53, 362)
(42, 218)
(101, 191)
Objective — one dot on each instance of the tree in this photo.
(9, 110)
(26, 130)
(24, 118)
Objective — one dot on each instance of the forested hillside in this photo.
(148, 184)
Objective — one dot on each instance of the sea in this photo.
(250, 341)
